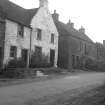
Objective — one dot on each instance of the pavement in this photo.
(22, 93)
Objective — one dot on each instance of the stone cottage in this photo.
(74, 45)
(100, 50)
(27, 32)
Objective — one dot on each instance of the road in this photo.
(21, 94)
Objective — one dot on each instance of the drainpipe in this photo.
(29, 60)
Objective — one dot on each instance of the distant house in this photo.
(74, 45)
(100, 51)
(29, 34)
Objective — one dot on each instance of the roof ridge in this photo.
(17, 13)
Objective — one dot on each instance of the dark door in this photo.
(52, 57)
(38, 54)
(25, 56)
(1, 55)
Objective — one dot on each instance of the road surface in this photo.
(23, 93)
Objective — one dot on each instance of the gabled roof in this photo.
(17, 13)
(64, 30)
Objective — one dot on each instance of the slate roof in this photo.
(64, 30)
(17, 13)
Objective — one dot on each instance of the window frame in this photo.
(39, 34)
(13, 51)
(20, 30)
(52, 38)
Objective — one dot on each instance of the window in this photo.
(85, 49)
(20, 30)
(81, 46)
(39, 34)
(73, 60)
(52, 38)
(13, 51)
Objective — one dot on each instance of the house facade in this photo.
(100, 50)
(74, 45)
(27, 34)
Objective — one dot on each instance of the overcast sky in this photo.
(88, 13)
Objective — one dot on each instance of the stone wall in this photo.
(70, 46)
(43, 20)
(13, 39)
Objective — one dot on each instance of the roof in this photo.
(64, 30)
(17, 13)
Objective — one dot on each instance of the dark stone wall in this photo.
(63, 52)
(70, 46)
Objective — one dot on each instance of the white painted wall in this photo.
(12, 39)
(43, 20)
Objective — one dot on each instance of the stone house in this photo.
(24, 32)
(74, 45)
(100, 51)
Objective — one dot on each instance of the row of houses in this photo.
(75, 46)
(38, 37)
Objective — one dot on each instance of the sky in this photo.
(87, 13)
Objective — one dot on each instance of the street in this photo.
(23, 94)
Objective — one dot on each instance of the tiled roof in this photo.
(17, 13)
(63, 29)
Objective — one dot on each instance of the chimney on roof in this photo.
(55, 16)
(70, 24)
(43, 3)
(82, 30)
(104, 43)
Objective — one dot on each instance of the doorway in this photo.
(24, 54)
(52, 57)
(1, 55)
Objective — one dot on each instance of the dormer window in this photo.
(52, 38)
(39, 34)
(21, 30)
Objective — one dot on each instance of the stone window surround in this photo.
(13, 51)
(20, 30)
(52, 38)
(39, 34)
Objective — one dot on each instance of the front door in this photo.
(25, 56)
(1, 55)
(52, 57)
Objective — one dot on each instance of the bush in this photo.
(19, 73)
(17, 69)
(94, 65)
(40, 65)
(52, 70)
(39, 62)
(16, 63)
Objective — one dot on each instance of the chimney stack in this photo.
(104, 43)
(55, 15)
(82, 30)
(70, 24)
(43, 3)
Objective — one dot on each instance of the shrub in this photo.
(19, 73)
(52, 70)
(16, 68)
(16, 63)
(93, 64)
(39, 62)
